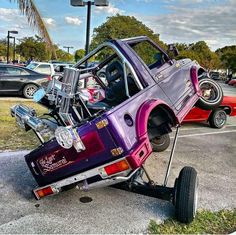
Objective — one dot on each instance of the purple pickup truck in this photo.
(88, 145)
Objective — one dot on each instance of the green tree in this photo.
(33, 47)
(119, 26)
(28, 8)
(79, 54)
(200, 52)
(64, 56)
(227, 56)
(3, 49)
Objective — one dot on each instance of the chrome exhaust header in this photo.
(26, 118)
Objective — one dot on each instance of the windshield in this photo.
(149, 54)
(32, 66)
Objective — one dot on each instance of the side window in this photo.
(44, 68)
(24, 72)
(149, 54)
(15, 71)
(3, 71)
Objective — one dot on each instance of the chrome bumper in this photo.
(81, 179)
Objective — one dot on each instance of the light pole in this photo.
(8, 43)
(14, 47)
(81, 3)
(68, 48)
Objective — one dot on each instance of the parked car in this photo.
(217, 118)
(59, 68)
(107, 142)
(15, 80)
(214, 75)
(232, 82)
(42, 67)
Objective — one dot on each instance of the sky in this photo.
(184, 21)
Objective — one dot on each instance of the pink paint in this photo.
(138, 156)
(194, 76)
(143, 115)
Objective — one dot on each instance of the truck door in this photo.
(175, 81)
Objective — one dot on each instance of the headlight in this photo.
(68, 137)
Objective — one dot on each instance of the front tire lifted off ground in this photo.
(212, 94)
(186, 195)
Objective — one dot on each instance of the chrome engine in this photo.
(27, 119)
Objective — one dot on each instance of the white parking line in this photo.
(202, 128)
(208, 133)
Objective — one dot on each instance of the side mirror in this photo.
(172, 49)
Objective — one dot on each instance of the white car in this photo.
(42, 67)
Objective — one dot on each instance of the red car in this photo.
(232, 82)
(217, 118)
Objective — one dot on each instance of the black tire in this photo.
(185, 201)
(160, 144)
(29, 90)
(212, 94)
(218, 118)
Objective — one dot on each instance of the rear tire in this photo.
(160, 144)
(218, 118)
(185, 201)
(29, 90)
(212, 94)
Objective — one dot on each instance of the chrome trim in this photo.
(86, 175)
(125, 79)
(107, 182)
(134, 38)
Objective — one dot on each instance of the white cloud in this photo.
(12, 19)
(49, 22)
(110, 10)
(73, 20)
(214, 24)
(7, 14)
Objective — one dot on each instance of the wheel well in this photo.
(160, 121)
(200, 72)
(227, 109)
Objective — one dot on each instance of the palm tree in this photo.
(28, 8)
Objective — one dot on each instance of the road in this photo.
(210, 151)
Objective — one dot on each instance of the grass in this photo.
(13, 137)
(206, 222)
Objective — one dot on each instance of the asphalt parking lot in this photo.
(211, 151)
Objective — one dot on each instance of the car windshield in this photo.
(149, 54)
(32, 66)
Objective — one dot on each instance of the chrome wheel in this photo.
(220, 118)
(29, 90)
(212, 94)
(209, 92)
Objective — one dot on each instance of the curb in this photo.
(10, 153)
